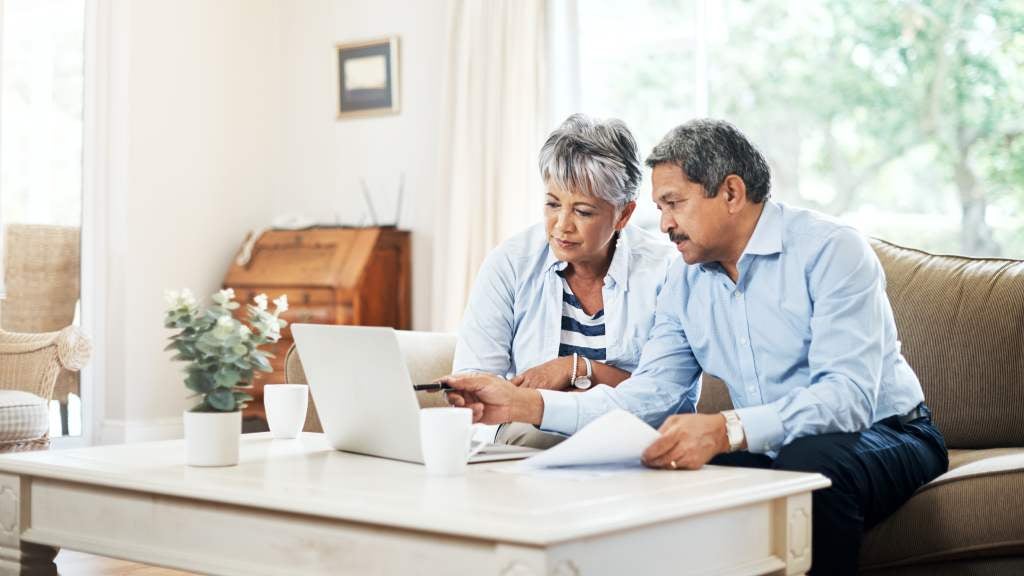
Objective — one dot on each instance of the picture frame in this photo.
(367, 77)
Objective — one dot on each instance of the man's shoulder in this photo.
(812, 235)
(811, 231)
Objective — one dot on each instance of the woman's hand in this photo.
(551, 375)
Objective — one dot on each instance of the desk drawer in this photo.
(296, 296)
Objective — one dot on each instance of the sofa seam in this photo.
(938, 556)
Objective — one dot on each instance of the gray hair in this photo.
(598, 158)
(709, 150)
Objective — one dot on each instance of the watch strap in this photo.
(733, 430)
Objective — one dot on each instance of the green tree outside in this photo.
(903, 117)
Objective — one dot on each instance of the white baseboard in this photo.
(128, 431)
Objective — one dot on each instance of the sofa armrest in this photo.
(32, 362)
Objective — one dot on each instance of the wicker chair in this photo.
(29, 366)
(42, 269)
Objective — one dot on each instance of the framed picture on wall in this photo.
(367, 77)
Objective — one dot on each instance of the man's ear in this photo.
(627, 212)
(734, 192)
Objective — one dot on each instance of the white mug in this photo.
(286, 408)
(446, 435)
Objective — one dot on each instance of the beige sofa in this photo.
(961, 321)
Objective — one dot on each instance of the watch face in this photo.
(582, 382)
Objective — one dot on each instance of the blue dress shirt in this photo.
(513, 320)
(805, 339)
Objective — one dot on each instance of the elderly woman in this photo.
(568, 304)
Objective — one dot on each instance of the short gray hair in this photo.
(598, 158)
(709, 150)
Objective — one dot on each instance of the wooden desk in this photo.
(298, 507)
(355, 276)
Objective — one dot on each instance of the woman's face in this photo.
(580, 227)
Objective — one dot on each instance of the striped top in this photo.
(581, 332)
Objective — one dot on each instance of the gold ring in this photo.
(672, 464)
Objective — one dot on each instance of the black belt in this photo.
(918, 412)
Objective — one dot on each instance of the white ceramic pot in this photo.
(211, 438)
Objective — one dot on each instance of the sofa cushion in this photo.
(714, 395)
(972, 511)
(960, 320)
(427, 355)
(23, 416)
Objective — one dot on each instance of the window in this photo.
(41, 99)
(902, 118)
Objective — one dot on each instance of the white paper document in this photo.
(617, 437)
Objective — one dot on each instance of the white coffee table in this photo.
(298, 507)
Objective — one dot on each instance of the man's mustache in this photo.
(677, 238)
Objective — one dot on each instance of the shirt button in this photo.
(743, 341)
(737, 294)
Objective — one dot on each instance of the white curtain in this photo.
(495, 106)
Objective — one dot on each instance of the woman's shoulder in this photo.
(526, 246)
(520, 255)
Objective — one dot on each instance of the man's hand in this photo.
(551, 375)
(688, 441)
(494, 400)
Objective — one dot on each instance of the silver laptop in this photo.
(363, 394)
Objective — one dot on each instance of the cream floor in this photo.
(71, 563)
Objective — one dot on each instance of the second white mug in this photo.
(286, 408)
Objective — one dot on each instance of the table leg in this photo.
(792, 528)
(18, 557)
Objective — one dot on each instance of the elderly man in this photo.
(789, 308)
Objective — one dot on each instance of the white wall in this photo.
(213, 118)
(323, 159)
(193, 122)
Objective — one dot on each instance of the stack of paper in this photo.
(617, 437)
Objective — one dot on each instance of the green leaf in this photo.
(226, 378)
(243, 397)
(199, 382)
(221, 400)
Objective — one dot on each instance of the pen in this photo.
(433, 387)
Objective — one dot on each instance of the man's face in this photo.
(696, 224)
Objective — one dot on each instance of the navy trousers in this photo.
(872, 472)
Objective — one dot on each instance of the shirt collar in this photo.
(767, 236)
(766, 239)
(618, 270)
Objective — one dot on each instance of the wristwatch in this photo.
(583, 382)
(733, 429)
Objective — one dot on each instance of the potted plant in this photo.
(222, 355)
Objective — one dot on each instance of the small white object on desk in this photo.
(286, 406)
(446, 436)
